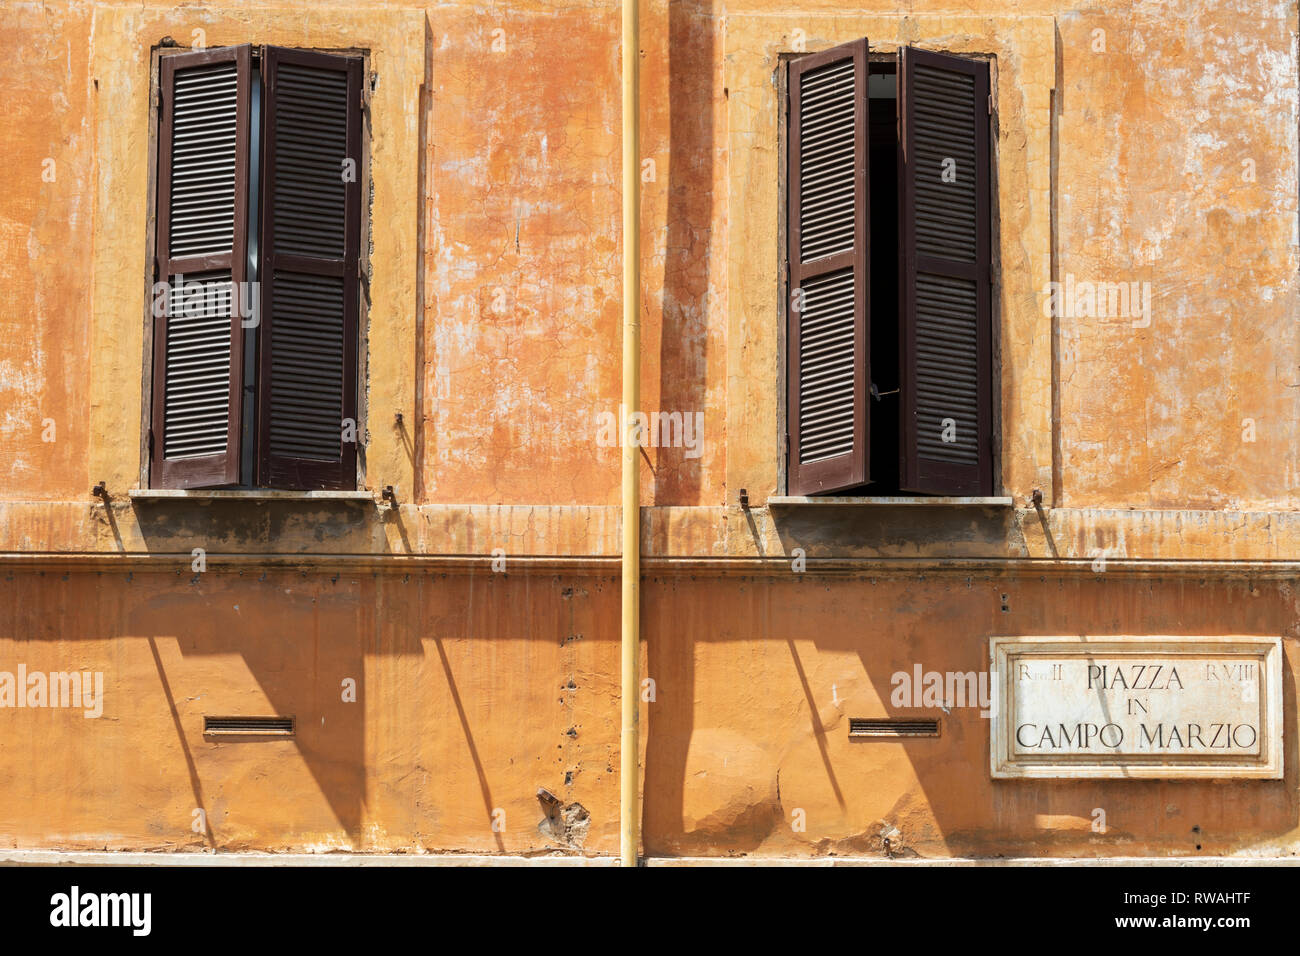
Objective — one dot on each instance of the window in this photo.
(258, 233)
(889, 341)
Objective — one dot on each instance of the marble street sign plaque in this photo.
(1137, 707)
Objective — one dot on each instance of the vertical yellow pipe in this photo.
(629, 810)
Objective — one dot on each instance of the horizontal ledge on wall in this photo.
(969, 861)
(799, 501)
(226, 858)
(780, 566)
(328, 859)
(250, 494)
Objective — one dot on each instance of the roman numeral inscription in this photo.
(1137, 707)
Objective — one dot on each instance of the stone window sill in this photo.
(798, 501)
(248, 494)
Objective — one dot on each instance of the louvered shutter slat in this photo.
(311, 245)
(201, 236)
(946, 341)
(826, 356)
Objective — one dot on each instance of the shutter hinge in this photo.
(990, 104)
(361, 97)
(785, 444)
(155, 268)
(150, 441)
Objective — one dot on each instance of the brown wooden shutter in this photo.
(311, 236)
(826, 227)
(201, 237)
(946, 334)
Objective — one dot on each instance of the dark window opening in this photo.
(882, 170)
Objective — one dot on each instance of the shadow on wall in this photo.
(299, 641)
(683, 346)
(904, 532)
(477, 692)
(758, 678)
(682, 381)
(471, 694)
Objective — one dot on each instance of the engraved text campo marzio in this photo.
(1137, 706)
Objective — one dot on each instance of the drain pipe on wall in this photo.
(629, 810)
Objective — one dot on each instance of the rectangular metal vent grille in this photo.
(826, 161)
(197, 404)
(249, 726)
(826, 367)
(203, 161)
(893, 727)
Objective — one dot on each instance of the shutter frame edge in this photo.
(218, 470)
(850, 469)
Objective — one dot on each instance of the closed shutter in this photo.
(201, 227)
(946, 340)
(826, 228)
(311, 235)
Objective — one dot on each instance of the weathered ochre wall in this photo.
(1163, 150)
(475, 689)
(45, 255)
(775, 669)
(471, 692)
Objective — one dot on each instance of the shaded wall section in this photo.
(471, 693)
(474, 690)
(759, 677)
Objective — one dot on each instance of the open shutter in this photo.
(311, 236)
(946, 335)
(201, 240)
(826, 227)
